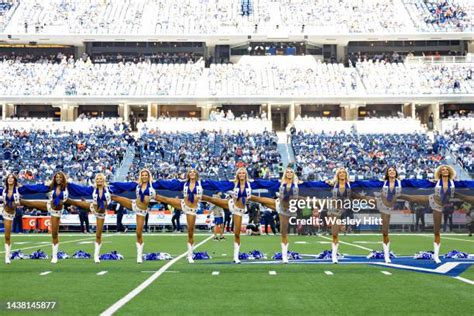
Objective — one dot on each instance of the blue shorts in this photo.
(218, 220)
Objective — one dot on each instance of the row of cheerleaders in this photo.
(59, 192)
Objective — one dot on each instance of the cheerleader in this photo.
(288, 190)
(192, 195)
(58, 196)
(341, 192)
(11, 200)
(144, 193)
(101, 198)
(237, 204)
(391, 190)
(443, 192)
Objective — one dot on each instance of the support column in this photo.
(434, 108)
(67, 111)
(8, 110)
(205, 110)
(124, 111)
(297, 110)
(408, 110)
(269, 111)
(350, 112)
(291, 113)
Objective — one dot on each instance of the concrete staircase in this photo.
(122, 172)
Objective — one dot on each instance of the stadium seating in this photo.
(7, 8)
(251, 76)
(174, 125)
(365, 156)
(235, 17)
(215, 155)
(36, 154)
(416, 77)
(441, 15)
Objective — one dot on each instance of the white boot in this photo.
(436, 253)
(386, 252)
(97, 252)
(7, 253)
(140, 253)
(190, 253)
(284, 252)
(54, 255)
(236, 252)
(334, 252)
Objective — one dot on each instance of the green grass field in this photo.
(191, 289)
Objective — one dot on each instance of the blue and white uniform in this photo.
(285, 194)
(390, 195)
(191, 195)
(242, 195)
(10, 201)
(55, 200)
(149, 191)
(339, 198)
(441, 196)
(100, 202)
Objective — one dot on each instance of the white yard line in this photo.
(348, 243)
(127, 298)
(464, 280)
(102, 272)
(328, 273)
(45, 273)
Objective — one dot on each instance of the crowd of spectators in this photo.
(216, 115)
(380, 77)
(441, 15)
(35, 155)
(231, 17)
(216, 155)
(61, 75)
(460, 143)
(365, 156)
(7, 7)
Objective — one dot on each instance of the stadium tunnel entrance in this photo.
(280, 116)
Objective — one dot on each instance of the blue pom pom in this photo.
(201, 256)
(424, 255)
(379, 255)
(114, 255)
(38, 255)
(81, 255)
(327, 254)
(62, 255)
(455, 254)
(17, 255)
(291, 256)
(155, 256)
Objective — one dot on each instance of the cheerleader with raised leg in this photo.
(192, 194)
(11, 200)
(57, 198)
(444, 191)
(288, 190)
(101, 198)
(385, 202)
(144, 193)
(237, 204)
(340, 193)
